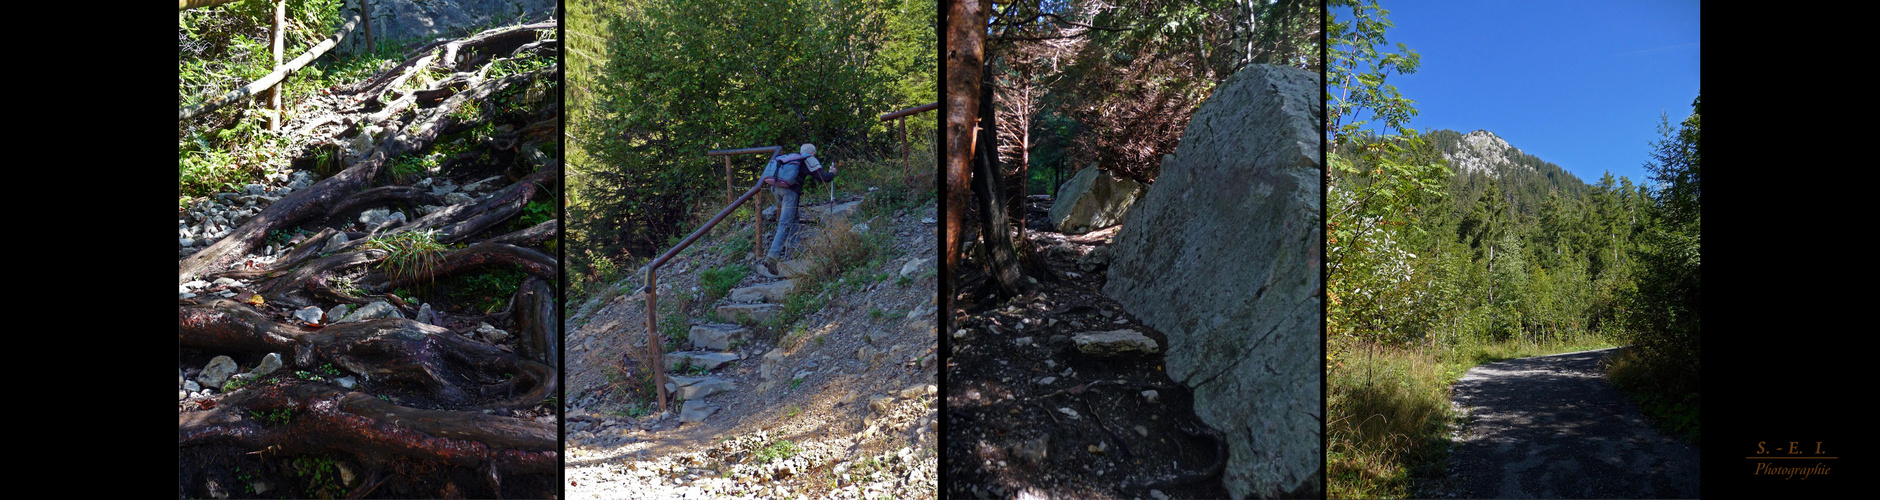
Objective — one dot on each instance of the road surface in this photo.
(1554, 427)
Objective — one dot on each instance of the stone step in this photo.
(772, 292)
(1114, 342)
(715, 336)
(697, 387)
(748, 313)
(706, 360)
(695, 411)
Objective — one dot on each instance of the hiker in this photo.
(786, 175)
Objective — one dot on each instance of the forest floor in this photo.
(433, 388)
(848, 410)
(1555, 427)
(1029, 416)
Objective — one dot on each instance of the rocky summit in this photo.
(1482, 152)
(1223, 257)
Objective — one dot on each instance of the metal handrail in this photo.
(652, 292)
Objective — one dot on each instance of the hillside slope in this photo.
(833, 396)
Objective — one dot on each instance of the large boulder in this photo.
(1223, 257)
(1092, 199)
(420, 21)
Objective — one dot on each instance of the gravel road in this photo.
(1554, 427)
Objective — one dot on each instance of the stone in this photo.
(427, 20)
(695, 411)
(268, 364)
(217, 371)
(697, 387)
(492, 334)
(1093, 199)
(914, 266)
(704, 360)
(772, 365)
(1033, 451)
(310, 315)
(748, 313)
(426, 315)
(881, 404)
(1114, 342)
(1151, 396)
(772, 292)
(793, 268)
(339, 312)
(714, 336)
(375, 310)
(1237, 215)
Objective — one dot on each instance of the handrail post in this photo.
(757, 221)
(652, 336)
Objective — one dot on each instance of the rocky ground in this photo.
(1039, 407)
(255, 423)
(841, 404)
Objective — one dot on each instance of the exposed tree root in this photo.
(429, 411)
(320, 418)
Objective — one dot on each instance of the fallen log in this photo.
(269, 81)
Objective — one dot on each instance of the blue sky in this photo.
(1577, 83)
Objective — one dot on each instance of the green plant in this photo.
(410, 255)
(717, 282)
(276, 417)
(329, 370)
(322, 475)
(776, 450)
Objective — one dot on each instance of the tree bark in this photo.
(965, 45)
(989, 190)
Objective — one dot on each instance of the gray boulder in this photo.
(401, 21)
(1223, 257)
(217, 372)
(1093, 199)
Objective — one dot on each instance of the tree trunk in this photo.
(989, 190)
(965, 62)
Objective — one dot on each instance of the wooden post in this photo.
(653, 341)
(280, 39)
(365, 10)
(907, 164)
(758, 250)
(730, 192)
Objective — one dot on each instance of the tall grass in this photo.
(1388, 410)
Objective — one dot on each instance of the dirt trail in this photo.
(849, 412)
(1554, 427)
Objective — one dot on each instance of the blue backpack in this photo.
(785, 170)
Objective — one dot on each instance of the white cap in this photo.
(808, 150)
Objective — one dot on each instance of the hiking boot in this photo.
(767, 267)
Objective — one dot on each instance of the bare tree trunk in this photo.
(280, 39)
(989, 189)
(965, 61)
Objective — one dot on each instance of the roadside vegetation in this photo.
(1433, 271)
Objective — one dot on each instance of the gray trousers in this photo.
(786, 219)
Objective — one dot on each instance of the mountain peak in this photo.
(1482, 151)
